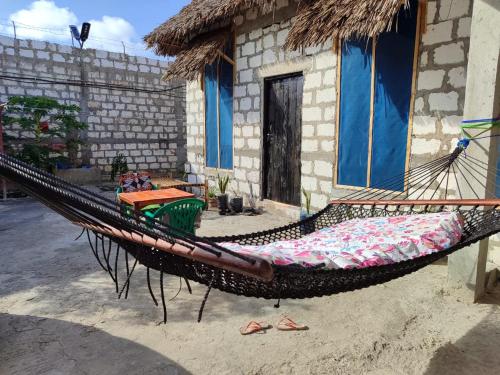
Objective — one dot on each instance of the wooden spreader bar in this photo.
(261, 269)
(418, 202)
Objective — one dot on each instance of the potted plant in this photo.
(308, 226)
(236, 202)
(222, 183)
(119, 166)
(212, 197)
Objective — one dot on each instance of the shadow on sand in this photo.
(34, 345)
(477, 351)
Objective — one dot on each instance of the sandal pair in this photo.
(285, 324)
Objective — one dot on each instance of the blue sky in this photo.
(112, 21)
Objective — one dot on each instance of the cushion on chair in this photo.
(363, 243)
(131, 182)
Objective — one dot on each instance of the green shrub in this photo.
(50, 131)
(119, 166)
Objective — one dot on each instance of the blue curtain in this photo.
(211, 126)
(226, 114)
(219, 126)
(393, 81)
(355, 87)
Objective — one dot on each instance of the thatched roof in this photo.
(190, 62)
(196, 34)
(197, 18)
(318, 21)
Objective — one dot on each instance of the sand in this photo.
(59, 315)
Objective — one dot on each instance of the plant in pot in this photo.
(212, 197)
(236, 202)
(222, 183)
(119, 166)
(308, 226)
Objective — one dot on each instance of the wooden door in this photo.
(282, 138)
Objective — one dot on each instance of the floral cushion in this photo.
(132, 182)
(363, 243)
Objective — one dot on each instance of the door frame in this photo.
(265, 102)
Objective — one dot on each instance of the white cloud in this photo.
(44, 20)
(109, 32)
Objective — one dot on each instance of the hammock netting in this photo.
(116, 238)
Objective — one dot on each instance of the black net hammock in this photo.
(201, 259)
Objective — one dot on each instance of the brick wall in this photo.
(148, 128)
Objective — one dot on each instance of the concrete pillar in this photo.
(467, 267)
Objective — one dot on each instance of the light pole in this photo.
(81, 37)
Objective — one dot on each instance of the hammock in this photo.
(203, 260)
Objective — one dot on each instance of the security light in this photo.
(74, 32)
(84, 34)
(80, 36)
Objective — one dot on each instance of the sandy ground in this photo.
(59, 314)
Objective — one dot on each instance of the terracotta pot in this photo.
(212, 202)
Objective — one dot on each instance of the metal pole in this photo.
(4, 184)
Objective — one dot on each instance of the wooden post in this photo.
(4, 184)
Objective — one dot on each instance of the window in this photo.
(376, 78)
(219, 110)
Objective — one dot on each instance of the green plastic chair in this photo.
(182, 214)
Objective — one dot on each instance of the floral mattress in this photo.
(363, 243)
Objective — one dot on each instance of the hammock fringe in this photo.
(202, 260)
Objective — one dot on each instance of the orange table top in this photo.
(142, 199)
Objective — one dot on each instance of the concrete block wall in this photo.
(148, 128)
(440, 93)
(441, 79)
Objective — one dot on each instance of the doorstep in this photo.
(281, 209)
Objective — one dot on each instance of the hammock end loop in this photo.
(463, 143)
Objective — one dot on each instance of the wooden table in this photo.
(141, 199)
(167, 182)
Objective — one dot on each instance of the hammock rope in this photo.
(201, 259)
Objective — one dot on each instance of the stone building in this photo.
(334, 97)
(326, 95)
(434, 103)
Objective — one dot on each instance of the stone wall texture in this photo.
(442, 69)
(148, 128)
(438, 106)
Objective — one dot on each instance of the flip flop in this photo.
(254, 327)
(287, 324)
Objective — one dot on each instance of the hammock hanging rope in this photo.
(203, 260)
